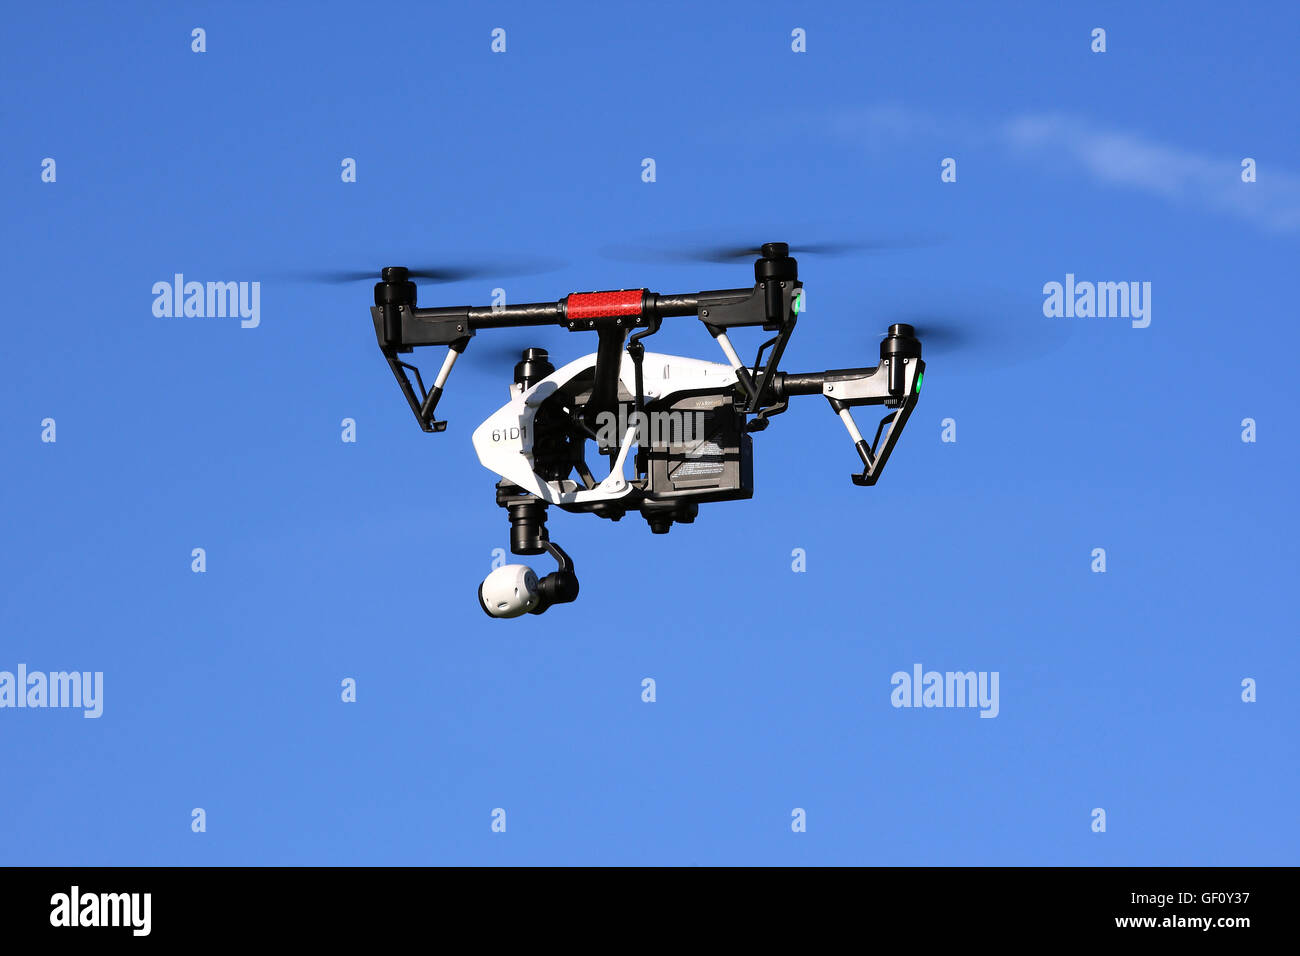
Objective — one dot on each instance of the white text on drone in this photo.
(210, 300)
(1102, 300)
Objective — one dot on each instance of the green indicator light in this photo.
(918, 382)
(798, 303)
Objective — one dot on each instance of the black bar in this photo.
(553, 313)
(609, 361)
(1233, 909)
(685, 304)
(811, 383)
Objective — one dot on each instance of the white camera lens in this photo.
(509, 591)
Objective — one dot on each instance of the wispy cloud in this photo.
(1109, 157)
(1117, 158)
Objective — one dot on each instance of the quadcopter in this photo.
(676, 430)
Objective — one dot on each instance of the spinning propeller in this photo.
(736, 252)
(445, 273)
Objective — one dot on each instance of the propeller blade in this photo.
(692, 252)
(942, 337)
(981, 339)
(446, 273)
(494, 352)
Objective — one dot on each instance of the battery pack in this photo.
(705, 454)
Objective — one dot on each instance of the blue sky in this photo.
(328, 560)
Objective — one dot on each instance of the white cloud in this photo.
(1109, 157)
(1118, 158)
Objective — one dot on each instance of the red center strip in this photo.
(601, 305)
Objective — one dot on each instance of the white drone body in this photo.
(505, 441)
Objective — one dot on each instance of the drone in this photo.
(676, 431)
